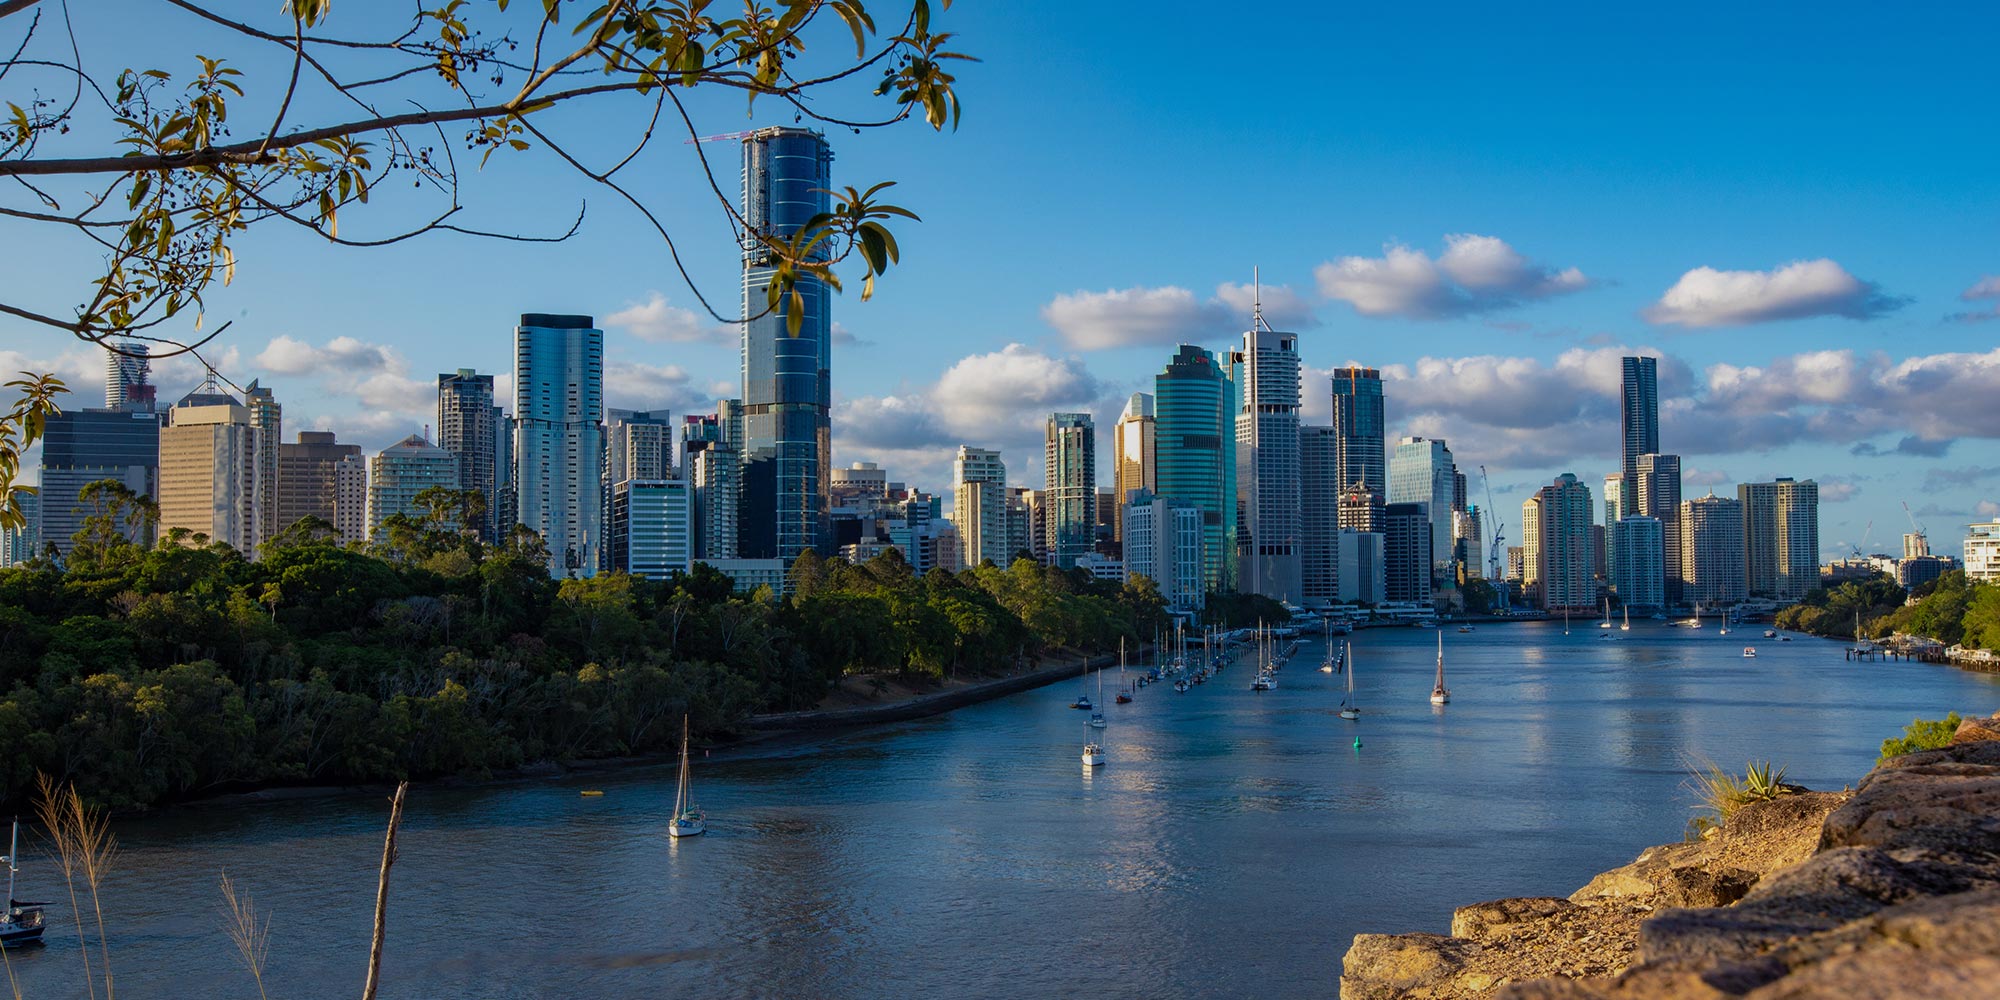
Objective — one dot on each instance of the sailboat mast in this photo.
(13, 844)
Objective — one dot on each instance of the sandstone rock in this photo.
(1948, 805)
(1977, 730)
(1482, 921)
(1389, 966)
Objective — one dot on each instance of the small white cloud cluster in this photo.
(1707, 297)
(658, 321)
(1169, 315)
(1475, 274)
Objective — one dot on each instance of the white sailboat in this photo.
(1627, 626)
(22, 922)
(688, 819)
(1097, 717)
(1348, 709)
(1093, 751)
(1439, 694)
(1565, 619)
(1606, 623)
(1327, 667)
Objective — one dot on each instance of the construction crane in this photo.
(1923, 537)
(1865, 533)
(1499, 536)
(724, 137)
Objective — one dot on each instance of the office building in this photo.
(469, 428)
(651, 527)
(1915, 545)
(1982, 551)
(559, 437)
(401, 471)
(1468, 548)
(1711, 539)
(18, 545)
(1363, 574)
(1658, 481)
(1358, 420)
(979, 506)
(639, 444)
(1636, 545)
(1027, 524)
(128, 377)
(505, 511)
(80, 447)
(1133, 442)
(1269, 543)
(1614, 491)
(787, 447)
(320, 477)
(1916, 571)
(1319, 515)
(1406, 552)
(268, 417)
(1780, 538)
(1555, 531)
(749, 575)
(210, 458)
(1421, 471)
(1639, 418)
(1070, 451)
(1517, 560)
(1360, 509)
(711, 471)
(860, 483)
(1195, 433)
(1163, 543)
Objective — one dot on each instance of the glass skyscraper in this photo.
(787, 389)
(1639, 415)
(1269, 540)
(559, 437)
(467, 429)
(1357, 420)
(1421, 471)
(1194, 426)
(1071, 453)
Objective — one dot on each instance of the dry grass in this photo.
(250, 931)
(85, 851)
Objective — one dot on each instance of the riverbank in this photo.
(1886, 891)
(933, 703)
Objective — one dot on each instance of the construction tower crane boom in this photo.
(1493, 528)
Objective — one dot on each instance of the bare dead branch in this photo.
(382, 893)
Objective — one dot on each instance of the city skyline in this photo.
(1496, 310)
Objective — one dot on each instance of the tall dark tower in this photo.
(1640, 416)
(787, 386)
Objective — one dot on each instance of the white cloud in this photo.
(1129, 317)
(1704, 477)
(661, 322)
(1706, 297)
(288, 356)
(633, 385)
(1475, 274)
(1985, 288)
(1837, 489)
(1986, 508)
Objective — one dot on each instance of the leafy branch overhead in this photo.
(160, 174)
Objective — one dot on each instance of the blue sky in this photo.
(1490, 203)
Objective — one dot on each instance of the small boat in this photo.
(1097, 718)
(1627, 627)
(1093, 755)
(22, 924)
(1123, 698)
(1439, 694)
(590, 793)
(1749, 652)
(688, 819)
(1770, 633)
(1181, 686)
(1465, 628)
(1264, 682)
(1083, 701)
(1784, 638)
(1565, 619)
(1348, 709)
(1606, 623)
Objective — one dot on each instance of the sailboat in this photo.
(1606, 623)
(1097, 717)
(22, 923)
(1327, 667)
(1093, 752)
(1083, 697)
(1565, 619)
(1627, 627)
(1348, 709)
(1124, 691)
(1439, 695)
(688, 820)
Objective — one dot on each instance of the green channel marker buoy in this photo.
(1357, 743)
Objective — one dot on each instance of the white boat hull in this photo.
(1350, 713)
(1093, 758)
(686, 828)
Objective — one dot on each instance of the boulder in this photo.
(1415, 966)
(1977, 730)
(1484, 921)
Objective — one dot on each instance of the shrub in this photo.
(1921, 734)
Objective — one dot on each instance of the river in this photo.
(1231, 848)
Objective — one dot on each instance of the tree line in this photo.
(146, 673)
(1951, 609)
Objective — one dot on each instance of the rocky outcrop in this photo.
(1892, 890)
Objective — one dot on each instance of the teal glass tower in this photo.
(787, 478)
(1194, 413)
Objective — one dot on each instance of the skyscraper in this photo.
(1614, 491)
(1711, 536)
(1555, 531)
(1070, 449)
(1780, 537)
(468, 428)
(319, 477)
(1319, 514)
(1195, 428)
(1636, 546)
(711, 473)
(1265, 377)
(1658, 480)
(268, 417)
(210, 458)
(18, 545)
(1163, 543)
(639, 445)
(559, 437)
(1639, 416)
(1358, 420)
(80, 447)
(401, 471)
(1133, 442)
(787, 390)
(127, 377)
(650, 527)
(979, 506)
(1406, 552)
(1421, 471)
